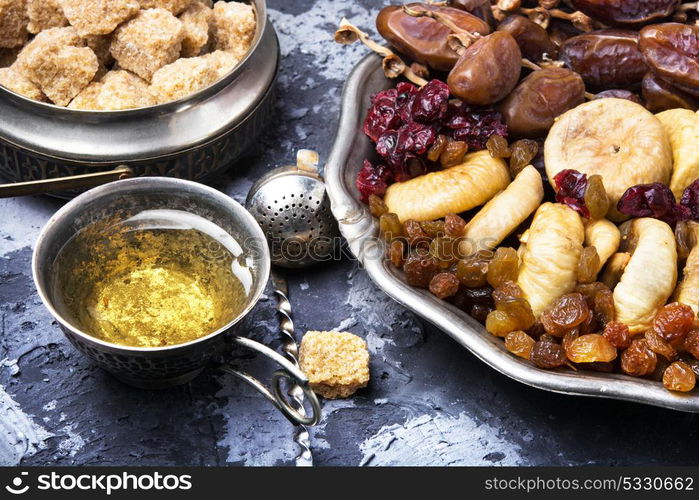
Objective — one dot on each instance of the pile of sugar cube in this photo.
(119, 54)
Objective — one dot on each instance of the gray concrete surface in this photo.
(429, 401)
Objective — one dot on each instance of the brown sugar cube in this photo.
(54, 37)
(234, 27)
(197, 23)
(61, 72)
(45, 14)
(98, 17)
(87, 98)
(100, 46)
(17, 82)
(336, 363)
(122, 89)
(148, 42)
(174, 6)
(13, 23)
(182, 78)
(223, 62)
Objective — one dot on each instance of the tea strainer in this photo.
(291, 206)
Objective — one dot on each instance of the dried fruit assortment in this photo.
(119, 54)
(545, 178)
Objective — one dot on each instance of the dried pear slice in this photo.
(550, 259)
(449, 191)
(682, 129)
(687, 290)
(501, 215)
(604, 236)
(615, 138)
(650, 275)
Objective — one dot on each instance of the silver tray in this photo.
(360, 229)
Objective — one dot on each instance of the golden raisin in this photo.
(445, 250)
(588, 265)
(500, 323)
(659, 346)
(673, 321)
(591, 348)
(617, 334)
(604, 309)
(589, 290)
(503, 267)
(520, 310)
(454, 226)
(519, 343)
(433, 228)
(523, 152)
(596, 199)
(569, 337)
(498, 147)
(444, 285)
(416, 236)
(453, 153)
(437, 147)
(547, 354)
(691, 343)
(390, 226)
(396, 252)
(564, 314)
(377, 207)
(679, 376)
(638, 360)
(472, 271)
(507, 290)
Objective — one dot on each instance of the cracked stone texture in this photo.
(429, 401)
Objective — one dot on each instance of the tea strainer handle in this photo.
(275, 394)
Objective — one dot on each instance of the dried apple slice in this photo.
(449, 191)
(604, 236)
(682, 129)
(501, 215)
(550, 259)
(687, 290)
(615, 138)
(650, 275)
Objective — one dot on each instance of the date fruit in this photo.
(422, 38)
(659, 95)
(533, 40)
(619, 94)
(605, 59)
(539, 99)
(671, 50)
(479, 8)
(626, 12)
(487, 70)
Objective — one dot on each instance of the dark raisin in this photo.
(659, 346)
(415, 234)
(444, 285)
(691, 343)
(523, 152)
(454, 226)
(617, 334)
(547, 354)
(567, 312)
(419, 270)
(673, 322)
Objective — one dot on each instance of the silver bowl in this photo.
(360, 229)
(192, 138)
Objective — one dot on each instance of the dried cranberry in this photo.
(382, 115)
(404, 100)
(373, 180)
(690, 199)
(570, 190)
(474, 125)
(401, 147)
(652, 200)
(430, 103)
